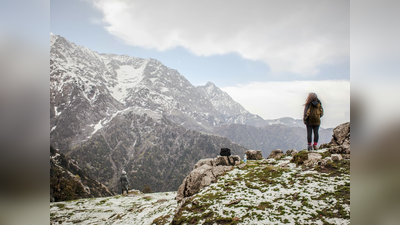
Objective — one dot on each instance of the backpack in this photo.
(315, 114)
(227, 152)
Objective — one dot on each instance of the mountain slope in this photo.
(158, 153)
(68, 181)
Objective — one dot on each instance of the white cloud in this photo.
(290, 36)
(272, 100)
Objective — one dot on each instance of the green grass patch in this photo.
(265, 205)
(60, 205)
(300, 157)
(325, 154)
(102, 202)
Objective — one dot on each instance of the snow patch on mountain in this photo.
(127, 78)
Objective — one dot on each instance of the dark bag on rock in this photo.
(225, 152)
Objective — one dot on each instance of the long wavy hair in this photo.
(311, 98)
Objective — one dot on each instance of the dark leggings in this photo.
(310, 129)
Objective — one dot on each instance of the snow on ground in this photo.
(132, 209)
(270, 192)
(282, 196)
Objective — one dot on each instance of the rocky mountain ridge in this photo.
(68, 181)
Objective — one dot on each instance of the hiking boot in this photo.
(315, 147)
(309, 147)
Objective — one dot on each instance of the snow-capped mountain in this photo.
(111, 112)
(232, 111)
(288, 121)
(97, 87)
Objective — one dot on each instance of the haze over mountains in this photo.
(112, 112)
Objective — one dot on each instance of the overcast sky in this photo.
(268, 55)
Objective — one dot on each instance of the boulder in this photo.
(253, 154)
(291, 152)
(275, 154)
(340, 143)
(336, 157)
(223, 160)
(313, 158)
(346, 156)
(200, 177)
(339, 150)
(341, 133)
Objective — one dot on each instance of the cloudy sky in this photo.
(268, 55)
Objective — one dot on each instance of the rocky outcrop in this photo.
(254, 154)
(275, 154)
(68, 181)
(291, 152)
(336, 157)
(206, 171)
(340, 143)
(313, 158)
(341, 134)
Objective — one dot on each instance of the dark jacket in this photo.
(124, 181)
(312, 113)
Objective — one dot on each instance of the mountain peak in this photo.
(210, 84)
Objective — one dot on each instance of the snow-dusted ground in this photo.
(268, 195)
(135, 209)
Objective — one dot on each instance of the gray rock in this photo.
(275, 154)
(223, 160)
(291, 152)
(254, 154)
(241, 166)
(341, 133)
(313, 158)
(201, 162)
(336, 157)
(236, 201)
(339, 150)
(200, 177)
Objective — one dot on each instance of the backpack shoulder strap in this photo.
(229, 161)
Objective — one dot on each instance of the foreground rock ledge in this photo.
(206, 171)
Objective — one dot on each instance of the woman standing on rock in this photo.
(313, 111)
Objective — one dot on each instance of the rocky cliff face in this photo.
(68, 181)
